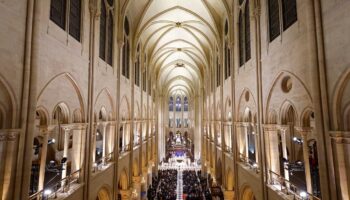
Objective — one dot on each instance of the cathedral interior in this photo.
(174, 99)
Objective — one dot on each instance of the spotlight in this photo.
(255, 165)
(303, 194)
(52, 141)
(295, 139)
(47, 192)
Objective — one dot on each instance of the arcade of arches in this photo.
(174, 99)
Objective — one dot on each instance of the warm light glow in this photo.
(47, 192)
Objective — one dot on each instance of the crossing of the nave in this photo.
(174, 99)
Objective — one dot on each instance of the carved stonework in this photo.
(9, 135)
(3, 137)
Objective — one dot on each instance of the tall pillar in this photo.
(65, 152)
(136, 180)
(45, 134)
(246, 142)
(104, 142)
(256, 143)
(304, 132)
(283, 130)
(94, 130)
(272, 150)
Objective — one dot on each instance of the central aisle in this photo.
(179, 188)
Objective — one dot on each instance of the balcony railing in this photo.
(99, 164)
(249, 163)
(286, 187)
(61, 186)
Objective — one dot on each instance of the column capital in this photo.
(270, 127)
(304, 131)
(136, 180)
(282, 127)
(229, 194)
(9, 134)
(67, 127)
(126, 194)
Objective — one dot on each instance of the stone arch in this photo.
(8, 104)
(341, 102)
(104, 100)
(124, 108)
(247, 193)
(287, 87)
(103, 194)
(228, 109)
(246, 100)
(288, 113)
(230, 180)
(63, 110)
(123, 180)
(77, 116)
(306, 115)
(61, 88)
(102, 114)
(247, 115)
(346, 118)
(272, 117)
(42, 115)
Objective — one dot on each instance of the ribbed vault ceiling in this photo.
(178, 37)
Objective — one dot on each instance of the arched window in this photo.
(227, 61)
(137, 67)
(244, 34)
(289, 8)
(103, 21)
(171, 104)
(274, 19)
(144, 74)
(186, 104)
(178, 104)
(106, 32)
(247, 31)
(75, 19)
(241, 39)
(110, 38)
(227, 53)
(218, 71)
(59, 12)
(126, 50)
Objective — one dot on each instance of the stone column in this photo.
(65, 152)
(341, 159)
(272, 150)
(104, 142)
(229, 194)
(256, 143)
(94, 129)
(246, 142)
(304, 132)
(283, 130)
(136, 180)
(44, 132)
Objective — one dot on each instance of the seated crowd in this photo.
(152, 189)
(191, 187)
(164, 187)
